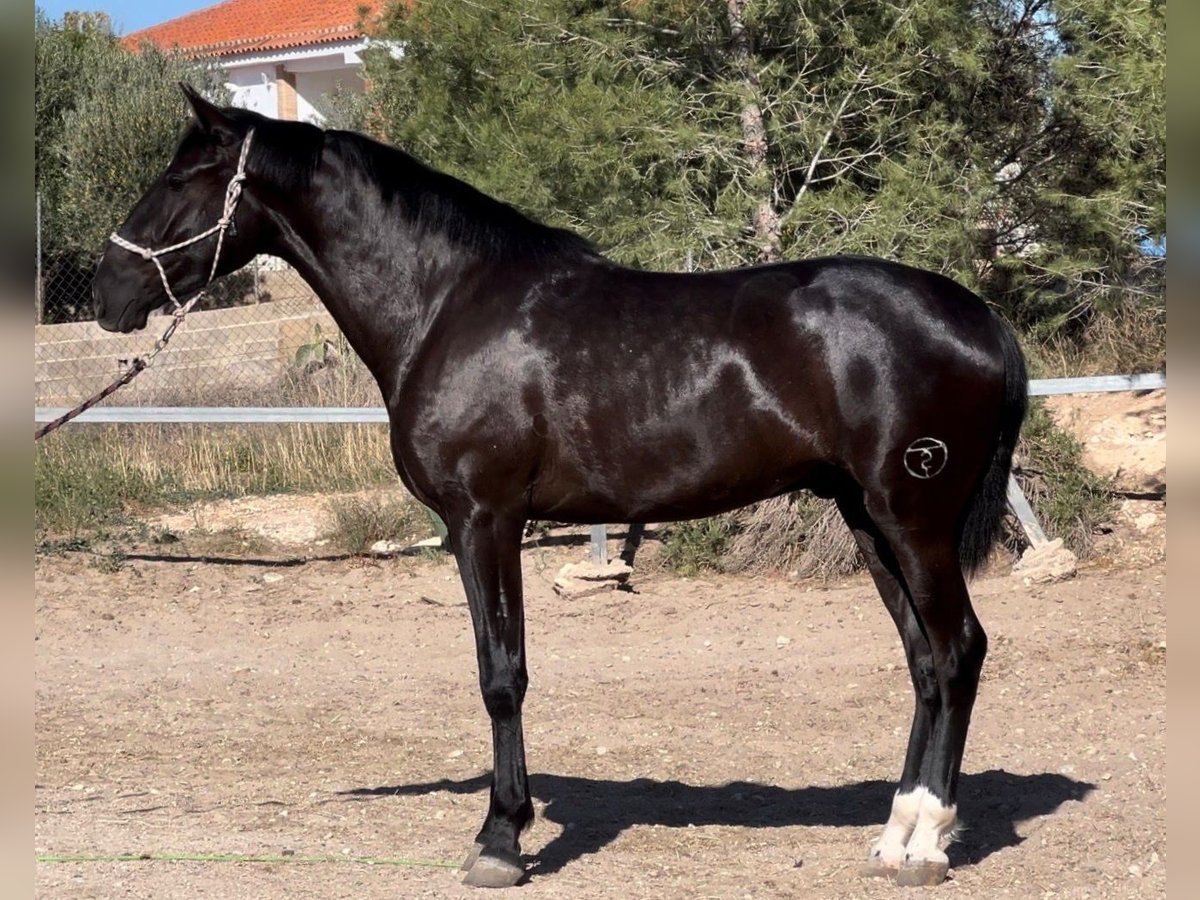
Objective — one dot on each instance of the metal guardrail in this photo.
(220, 415)
(292, 415)
(1096, 384)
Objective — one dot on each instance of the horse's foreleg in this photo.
(888, 852)
(487, 547)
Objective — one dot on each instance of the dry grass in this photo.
(360, 521)
(93, 476)
(1130, 340)
(799, 533)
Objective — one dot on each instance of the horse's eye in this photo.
(175, 182)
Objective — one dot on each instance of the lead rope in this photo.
(233, 193)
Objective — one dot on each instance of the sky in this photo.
(126, 15)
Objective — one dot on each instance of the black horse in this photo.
(527, 376)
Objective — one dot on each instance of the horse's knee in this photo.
(502, 697)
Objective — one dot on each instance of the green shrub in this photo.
(1070, 500)
(106, 122)
(698, 545)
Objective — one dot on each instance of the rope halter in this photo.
(233, 193)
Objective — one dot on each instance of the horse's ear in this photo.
(211, 119)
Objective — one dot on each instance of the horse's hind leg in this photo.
(487, 547)
(888, 852)
(933, 576)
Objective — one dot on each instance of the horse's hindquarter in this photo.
(611, 394)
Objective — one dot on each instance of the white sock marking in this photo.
(890, 847)
(934, 824)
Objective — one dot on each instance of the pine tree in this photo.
(1015, 146)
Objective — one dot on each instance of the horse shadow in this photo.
(594, 812)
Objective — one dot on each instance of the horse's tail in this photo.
(981, 527)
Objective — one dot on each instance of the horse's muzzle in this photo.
(119, 298)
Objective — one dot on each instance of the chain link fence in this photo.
(260, 338)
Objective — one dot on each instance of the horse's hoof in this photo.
(494, 872)
(927, 873)
(877, 868)
(476, 849)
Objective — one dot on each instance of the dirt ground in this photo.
(717, 737)
(1123, 435)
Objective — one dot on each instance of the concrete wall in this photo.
(313, 87)
(253, 88)
(292, 85)
(216, 357)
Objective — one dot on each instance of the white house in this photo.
(281, 57)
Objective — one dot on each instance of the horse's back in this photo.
(824, 343)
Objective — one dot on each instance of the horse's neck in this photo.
(370, 277)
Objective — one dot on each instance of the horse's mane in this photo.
(439, 203)
(288, 153)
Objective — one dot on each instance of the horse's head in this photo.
(186, 205)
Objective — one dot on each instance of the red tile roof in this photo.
(249, 26)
